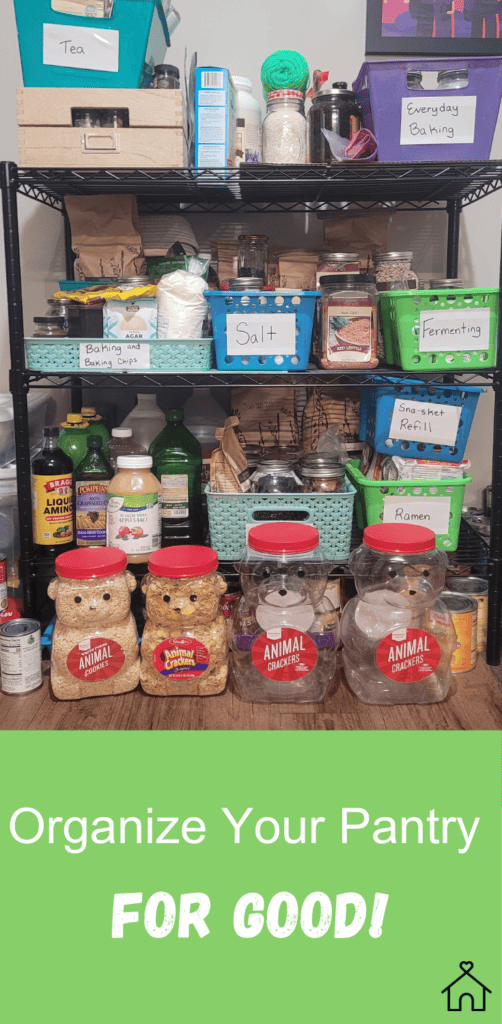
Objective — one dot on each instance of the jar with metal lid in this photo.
(245, 284)
(253, 454)
(83, 118)
(62, 307)
(322, 474)
(393, 271)
(49, 327)
(166, 76)
(414, 80)
(86, 319)
(275, 476)
(134, 282)
(348, 322)
(338, 110)
(252, 256)
(284, 131)
(456, 79)
(446, 282)
(115, 117)
(336, 263)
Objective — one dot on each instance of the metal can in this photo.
(473, 586)
(4, 598)
(464, 612)
(20, 656)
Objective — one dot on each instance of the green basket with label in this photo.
(436, 504)
(440, 329)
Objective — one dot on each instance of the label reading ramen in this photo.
(52, 509)
(408, 655)
(174, 496)
(284, 654)
(95, 659)
(181, 657)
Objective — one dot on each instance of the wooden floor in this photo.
(474, 702)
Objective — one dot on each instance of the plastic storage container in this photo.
(248, 123)
(428, 421)
(122, 443)
(241, 352)
(284, 632)
(53, 355)
(146, 420)
(390, 109)
(133, 512)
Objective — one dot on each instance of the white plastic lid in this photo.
(242, 83)
(135, 462)
(121, 432)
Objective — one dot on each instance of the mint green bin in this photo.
(142, 39)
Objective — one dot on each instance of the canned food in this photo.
(4, 599)
(464, 612)
(20, 656)
(472, 586)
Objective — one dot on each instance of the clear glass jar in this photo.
(457, 79)
(284, 631)
(446, 282)
(86, 118)
(284, 132)
(62, 307)
(114, 117)
(348, 322)
(49, 327)
(252, 256)
(275, 476)
(336, 263)
(322, 474)
(393, 271)
(166, 76)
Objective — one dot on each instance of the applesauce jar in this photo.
(132, 512)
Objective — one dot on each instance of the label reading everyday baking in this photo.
(432, 512)
(95, 659)
(424, 421)
(256, 334)
(454, 330)
(429, 121)
(174, 496)
(105, 355)
(284, 654)
(72, 46)
(181, 657)
(52, 509)
(91, 500)
(408, 655)
(133, 523)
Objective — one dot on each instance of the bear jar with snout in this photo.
(95, 641)
(398, 636)
(184, 648)
(284, 631)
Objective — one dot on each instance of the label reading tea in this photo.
(174, 496)
(52, 509)
(95, 659)
(424, 421)
(259, 334)
(181, 657)
(72, 46)
(284, 654)
(427, 511)
(133, 523)
(454, 330)
(443, 120)
(91, 501)
(408, 655)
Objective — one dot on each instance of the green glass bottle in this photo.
(92, 477)
(177, 463)
(73, 437)
(96, 426)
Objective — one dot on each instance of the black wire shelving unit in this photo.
(257, 188)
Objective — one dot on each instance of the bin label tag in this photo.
(424, 421)
(432, 512)
(441, 120)
(114, 355)
(454, 330)
(259, 334)
(72, 46)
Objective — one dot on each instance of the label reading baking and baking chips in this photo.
(181, 657)
(284, 654)
(95, 659)
(408, 655)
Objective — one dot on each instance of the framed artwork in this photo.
(450, 28)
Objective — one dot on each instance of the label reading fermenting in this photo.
(91, 501)
(408, 655)
(96, 659)
(174, 496)
(284, 654)
(52, 509)
(133, 523)
(182, 657)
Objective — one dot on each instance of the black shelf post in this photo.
(454, 209)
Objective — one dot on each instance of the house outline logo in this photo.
(467, 991)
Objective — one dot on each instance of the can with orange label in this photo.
(464, 612)
(473, 586)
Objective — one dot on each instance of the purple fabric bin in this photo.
(381, 87)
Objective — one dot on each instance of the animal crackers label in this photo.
(182, 657)
(284, 654)
(408, 655)
(95, 659)
(52, 509)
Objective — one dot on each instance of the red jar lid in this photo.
(184, 560)
(399, 538)
(90, 563)
(283, 538)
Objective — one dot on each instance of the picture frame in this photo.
(397, 34)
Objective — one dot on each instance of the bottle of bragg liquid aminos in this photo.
(52, 500)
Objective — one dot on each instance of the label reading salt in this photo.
(102, 355)
(432, 512)
(95, 659)
(424, 421)
(72, 46)
(443, 120)
(454, 330)
(181, 657)
(408, 655)
(284, 654)
(256, 334)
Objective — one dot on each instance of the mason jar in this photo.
(284, 133)
(252, 256)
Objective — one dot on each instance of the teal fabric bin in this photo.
(143, 36)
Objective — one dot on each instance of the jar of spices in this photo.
(86, 319)
(456, 79)
(393, 271)
(62, 307)
(49, 327)
(348, 322)
(252, 256)
(336, 109)
(115, 118)
(166, 76)
(86, 118)
(284, 134)
(336, 263)
(275, 476)
(322, 474)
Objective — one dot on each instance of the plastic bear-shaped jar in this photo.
(184, 648)
(284, 631)
(398, 637)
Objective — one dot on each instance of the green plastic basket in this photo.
(371, 495)
(400, 319)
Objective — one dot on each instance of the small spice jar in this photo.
(49, 327)
(86, 319)
(62, 307)
(166, 76)
(275, 476)
(393, 271)
(348, 322)
(95, 640)
(252, 256)
(114, 117)
(322, 474)
(284, 131)
(457, 79)
(83, 118)
(336, 263)
(184, 649)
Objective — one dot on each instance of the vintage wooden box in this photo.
(155, 136)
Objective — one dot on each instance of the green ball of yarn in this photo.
(284, 69)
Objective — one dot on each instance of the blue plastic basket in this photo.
(302, 304)
(377, 405)
(142, 42)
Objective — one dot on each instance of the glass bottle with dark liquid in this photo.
(52, 500)
(177, 463)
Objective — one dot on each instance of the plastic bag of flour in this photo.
(181, 305)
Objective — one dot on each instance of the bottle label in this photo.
(52, 509)
(95, 659)
(91, 498)
(349, 331)
(133, 523)
(181, 657)
(174, 496)
(408, 655)
(284, 654)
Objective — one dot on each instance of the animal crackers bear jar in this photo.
(95, 640)
(285, 632)
(184, 649)
(398, 637)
